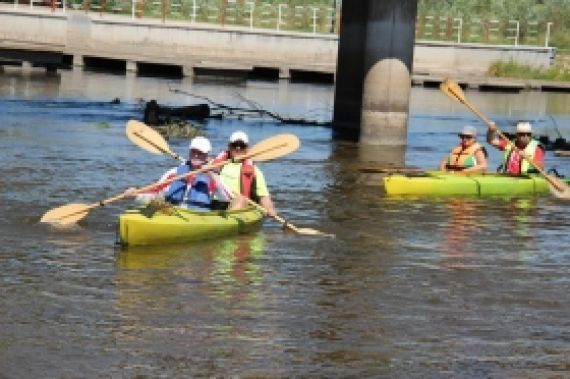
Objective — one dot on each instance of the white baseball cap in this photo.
(239, 136)
(201, 144)
(524, 127)
(469, 130)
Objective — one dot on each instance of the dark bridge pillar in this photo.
(374, 71)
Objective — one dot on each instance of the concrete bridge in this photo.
(75, 38)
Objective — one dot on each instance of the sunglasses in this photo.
(524, 134)
(238, 145)
(465, 136)
(197, 153)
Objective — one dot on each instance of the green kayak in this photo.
(443, 183)
(174, 225)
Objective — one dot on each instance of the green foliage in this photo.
(541, 11)
(511, 69)
(179, 129)
(504, 9)
(561, 40)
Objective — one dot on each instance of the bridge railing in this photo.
(487, 31)
(316, 16)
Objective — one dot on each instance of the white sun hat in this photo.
(201, 144)
(239, 136)
(524, 127)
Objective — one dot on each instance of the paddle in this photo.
(390, 170)
(557, 187)
(270, 148)
(148, 139)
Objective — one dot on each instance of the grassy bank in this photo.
(559, 72)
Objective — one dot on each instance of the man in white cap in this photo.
(513, 162)
(468, 156)
(243, 179)
(195, 191)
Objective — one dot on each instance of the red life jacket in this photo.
(247, 176)
(247, 179)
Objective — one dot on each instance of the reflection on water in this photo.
(462, 221)
(410, 287)
(468, 217)
(227, 267)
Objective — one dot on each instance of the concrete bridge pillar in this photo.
(51, 68)
(374, 69)
(78, 60)
(132, 67)
(188, 71)
(27, 66)
(284, 73)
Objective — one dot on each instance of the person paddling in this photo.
(468, 156)
(195, 192)
(513, 162)
(243, 179)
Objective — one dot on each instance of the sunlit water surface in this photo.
(410, 287)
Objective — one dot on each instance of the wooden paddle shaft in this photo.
(169, 152)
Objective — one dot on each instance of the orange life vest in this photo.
(461, 158)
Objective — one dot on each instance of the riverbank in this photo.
(488, 83)
(507, 76)
(559, 71)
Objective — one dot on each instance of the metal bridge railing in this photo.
(476, 30)
(318, 17)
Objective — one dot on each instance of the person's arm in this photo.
(493, 137)
(443, 165)
(539, 157)
(267, 204)
(263, 193)
(156, 192)
(143, 197)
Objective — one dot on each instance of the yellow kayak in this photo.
(443, 184)
(142, 226)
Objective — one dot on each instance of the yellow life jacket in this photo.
(461, 158)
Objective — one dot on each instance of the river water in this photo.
(416, 288)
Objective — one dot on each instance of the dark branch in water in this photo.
(254, 110)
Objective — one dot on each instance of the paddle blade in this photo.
(310, 232)
(273, 147)
(564, 195)
(558, 188)
(452, 89)
(390, 170)
(66, 214)
(146, 137)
